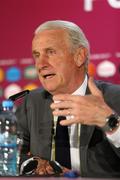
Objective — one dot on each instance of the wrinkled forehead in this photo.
(51, 36)
(52, 33)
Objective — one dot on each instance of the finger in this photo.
(49, 170)
(65, 112)
(93, 88)
(65, 169)
(41, 171)
(67, 122)
(61, 105)
(62, 97)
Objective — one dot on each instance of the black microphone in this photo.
(18, 95)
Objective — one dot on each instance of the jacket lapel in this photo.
(86, 131)
(46, 124)
(85, 137)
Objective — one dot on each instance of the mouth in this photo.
(48, 76)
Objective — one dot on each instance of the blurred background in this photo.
(99, 19)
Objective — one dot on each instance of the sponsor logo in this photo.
(1, 75)
(89, 4)
(11, 89)
(106, 69)
(30, 72)
(13, 74)
(30, 86)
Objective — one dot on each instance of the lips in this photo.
(48, 76)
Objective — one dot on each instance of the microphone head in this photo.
(19, 95)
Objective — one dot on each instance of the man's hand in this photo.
(89, 109)
(46, 168)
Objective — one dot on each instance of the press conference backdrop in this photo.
(99, 19)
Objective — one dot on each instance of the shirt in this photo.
(74, 132)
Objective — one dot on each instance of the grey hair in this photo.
(75, 33)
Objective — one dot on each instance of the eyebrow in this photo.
(46, 49)
(35, 52)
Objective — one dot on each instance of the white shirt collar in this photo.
(82, 89)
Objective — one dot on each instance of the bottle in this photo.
(10, 141)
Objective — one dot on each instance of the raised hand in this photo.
(89, 109)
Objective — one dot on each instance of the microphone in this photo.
(19, 95)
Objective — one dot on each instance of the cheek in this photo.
(37, 63)
(63, 76)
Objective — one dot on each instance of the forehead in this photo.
(51, 36)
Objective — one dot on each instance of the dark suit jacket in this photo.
(98, 157)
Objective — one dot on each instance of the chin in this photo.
(50, 89)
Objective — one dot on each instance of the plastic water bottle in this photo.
(10, 141)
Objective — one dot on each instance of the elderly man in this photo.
(73, 119)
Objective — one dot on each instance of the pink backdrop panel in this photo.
(99, 19)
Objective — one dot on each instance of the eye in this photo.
(51, 51)
(36, 55)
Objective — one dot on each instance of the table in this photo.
(54, 178)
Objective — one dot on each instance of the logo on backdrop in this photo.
(13, 74)
(30, 72)
(106, 69)
(11, 89)
(89, 4)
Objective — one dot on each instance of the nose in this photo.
(42, 61)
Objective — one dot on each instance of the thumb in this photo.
(93, 88)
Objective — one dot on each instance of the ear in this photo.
(80, 56)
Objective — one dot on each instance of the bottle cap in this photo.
(7, 104)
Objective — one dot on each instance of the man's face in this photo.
(54, 61)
